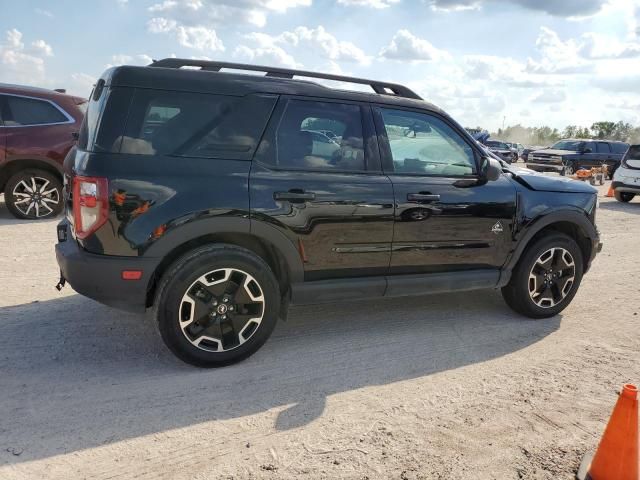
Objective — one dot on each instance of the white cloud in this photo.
(199, 37)
(597, 46)
(124, 59)
(550, 96)
(406, 46)
(269, 55)
(217, 12)
(161, 25)
(80, 84)
(329, 46)
(368, 3)
(19, 64)
(315, 40)
(557, 56)
(44, 13)
(42, 47)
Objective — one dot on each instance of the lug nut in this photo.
(225, 300)
(231, 308)
(224, 317)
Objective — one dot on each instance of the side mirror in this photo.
(491, 169)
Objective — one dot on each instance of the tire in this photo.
(184, 302)
(517, 292)
(569, 170)
(624, 197)
(25, 202)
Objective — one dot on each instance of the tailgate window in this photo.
(186, 124)
(103, 123)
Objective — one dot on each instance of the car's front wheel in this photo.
(34, 194)
(546, 278)
(217, 305)
(623, 196)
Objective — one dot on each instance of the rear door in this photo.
(605, 155)
(445, 218)
(317, 178)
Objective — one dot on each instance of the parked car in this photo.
(503, 150)
(626, 179)
(228, 212)
(517, 147)
(528, 150)
(569, 155)
(38, 127)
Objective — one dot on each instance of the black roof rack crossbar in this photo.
(383, 88)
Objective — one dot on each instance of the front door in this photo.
(317, 177)
(446, 218)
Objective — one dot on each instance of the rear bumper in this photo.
(625, 187)
(99, 277)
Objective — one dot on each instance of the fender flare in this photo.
(192, 230)
(576, 217)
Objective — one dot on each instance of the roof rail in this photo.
(382, 88)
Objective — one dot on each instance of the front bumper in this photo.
(545, 167)
(100, 276)
(625, 187)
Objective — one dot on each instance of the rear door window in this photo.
(185, 124)
(602, 147)
(22, 111)
(313, 135)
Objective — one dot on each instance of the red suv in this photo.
(37, 129)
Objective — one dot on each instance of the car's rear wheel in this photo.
(34, 194)
(217, 305)
(546, 278)
(624, 196)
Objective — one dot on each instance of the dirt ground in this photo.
(445, 387)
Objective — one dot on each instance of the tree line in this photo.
(545, 135)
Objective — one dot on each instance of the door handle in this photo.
(422, 197)
(294, 196)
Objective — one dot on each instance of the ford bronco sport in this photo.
(205, 194)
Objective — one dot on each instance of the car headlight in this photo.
(556, 158)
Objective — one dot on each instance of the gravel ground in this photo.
(446, 387)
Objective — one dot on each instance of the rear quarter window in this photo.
(185, 124)
(22, 111)
(619, 148)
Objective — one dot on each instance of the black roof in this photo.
(208, 80)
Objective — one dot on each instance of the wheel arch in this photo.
(263, 240)
(12, 167)
(572, 223)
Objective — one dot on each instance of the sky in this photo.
(487, 63)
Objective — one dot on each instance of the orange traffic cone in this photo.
(617, 455)
(610, 191)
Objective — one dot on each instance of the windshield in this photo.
(494, 144)
(571, 145)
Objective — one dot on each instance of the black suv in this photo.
(569, 155)
(206, 195)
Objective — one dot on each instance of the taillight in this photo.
(90, 204)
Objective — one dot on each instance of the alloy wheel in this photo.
(34, 198)
(551, 277)
(221, 310)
